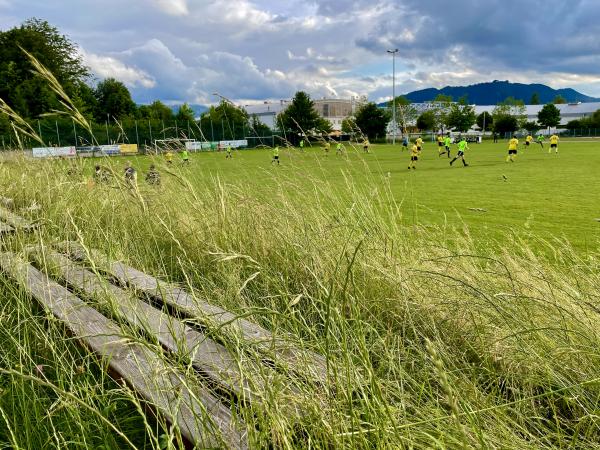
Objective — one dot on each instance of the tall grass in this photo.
(432, 339)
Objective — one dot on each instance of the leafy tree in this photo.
(349, 125)
(185, 113)
(427, 121)
(372, 120)
(114, 100)
(535, 99)
(549, 116)
(259, 128)
(461, 117)
(559, 100)
(224, 121)
(406, 113)
(441, 98)
(505, 123)
(511, 107)
(487, 119)
(531, 127)
(26, 93)
(464, 100)
(574, 125)
(156, 111)
(301, 116)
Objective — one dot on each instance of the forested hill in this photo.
(497, 91)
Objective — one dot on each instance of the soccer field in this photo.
(539, 196)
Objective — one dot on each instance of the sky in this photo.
(253, 50)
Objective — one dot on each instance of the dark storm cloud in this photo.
(550, 35)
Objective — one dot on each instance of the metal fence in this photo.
(141, 132)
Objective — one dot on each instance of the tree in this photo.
(531, 127)
(156, 111)
(511, 107)
(505, 123)
(372, 121)
(535, 99)
(349, 125)
(224, 121)
(559, 100)
(185, 114)
(427, 121)
(461, 117)
(549, 116)
(114, 100)
(441, 98)
(485, 118)
(406, 113)
(28, 94)
(574, 125)
(301, 116)
(259, 128)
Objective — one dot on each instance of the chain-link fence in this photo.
(142, 132)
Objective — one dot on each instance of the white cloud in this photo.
(109, 67)
(173, 7)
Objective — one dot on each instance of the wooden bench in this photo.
(203, 420)
(283, 352)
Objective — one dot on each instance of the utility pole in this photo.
(394, 126)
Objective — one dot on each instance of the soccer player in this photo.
(130, 175)
(339, 149)
(462, 148)
(327, 147)
(528, 140)
(414, 156)
(366, 145)
(228, 152)
(169, 157)
(153, 177)
(440, 142)
(101, 175)
(420, 143)
(405, 142)
(301, 145)
(275, 155)
(553, 144)
(513, 145)
(447, 144)
(540, 140)
(185, 156)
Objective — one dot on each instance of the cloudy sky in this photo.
(248, 50)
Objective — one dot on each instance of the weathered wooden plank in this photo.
(211, 358)
(304, 362)
(202, 419)
(15, 221)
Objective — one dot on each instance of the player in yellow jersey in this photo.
(414, 156)
(440, 142)
(419, 143)
(553, 144)
(513, 145)
(528, 140)
(169, 157)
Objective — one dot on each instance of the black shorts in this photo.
(459, 154)
(527, 144)
(512, 152)
(405, 144)
(275, 157)
(447, 148)
(553, 145)
(414, 158)
(419, 149)
(440, 144)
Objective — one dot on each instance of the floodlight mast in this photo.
(394, 126)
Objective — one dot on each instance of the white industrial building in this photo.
(568, 112)
(334, 110)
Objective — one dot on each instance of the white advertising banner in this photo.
(233, 144)
(54, 152)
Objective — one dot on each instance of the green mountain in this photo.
(496, 91)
